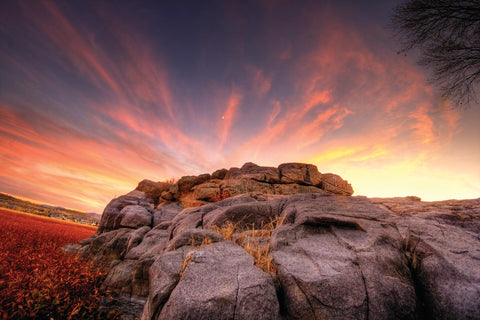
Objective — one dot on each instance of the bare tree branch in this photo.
(447, 34)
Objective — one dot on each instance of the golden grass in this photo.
(171, 181)
(187, 260)
(205, 240)
(249, 239)
(193, 243)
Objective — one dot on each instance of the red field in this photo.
(39, 281)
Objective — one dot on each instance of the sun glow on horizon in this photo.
(94, 101)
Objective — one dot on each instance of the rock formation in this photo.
(286, 243)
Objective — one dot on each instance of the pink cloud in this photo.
(77, 49)
(228, 117)
(261, 84)
(351, 107)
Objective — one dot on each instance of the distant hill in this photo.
(56, 212)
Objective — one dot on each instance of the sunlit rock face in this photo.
(286, 243)
(288, 178)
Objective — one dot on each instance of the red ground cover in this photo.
(38, 280)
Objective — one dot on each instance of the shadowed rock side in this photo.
(330, 255)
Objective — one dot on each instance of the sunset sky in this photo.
(98, 95)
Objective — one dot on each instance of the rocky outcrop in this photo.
(288, 178)
(153, 190)
(288, 243)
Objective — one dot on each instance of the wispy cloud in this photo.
(359, 109)
(261, 83)
(91, 106)
(228, 117)
(67, 39)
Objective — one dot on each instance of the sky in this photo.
(96, 96)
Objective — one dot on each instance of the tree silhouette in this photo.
(447, 34)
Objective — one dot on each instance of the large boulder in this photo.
(208, 191)
(219, 174)
(152, 244)
(335, 184)
(254, 172)
(136, 216)
(153, 190)
(129, 278)
(164, 275)
(165, 212)
(220, 281)
(186, 183)
(337, 262)
(113, 214)
(109, 246)
(301, 173)
(187, 219)
(442, 241)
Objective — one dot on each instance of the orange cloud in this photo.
(423, 125)
(351, 109)
(292, 128)
(79, 172)
(228, 117)
(312, 132)
(384, 115)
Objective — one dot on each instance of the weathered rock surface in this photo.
(334, 256)
(113, 214)
(221, 282)
(254, 172)
(300, 173)
(165, 212)
(442, 242)
(288, 178)
(135, 216)
(337, 262)
(334, 184)
(153, 190)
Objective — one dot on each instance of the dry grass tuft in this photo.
(205, 240)
(187, 260)
(171, 181)
(220, 196)
(194, 244)
(250, 240)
